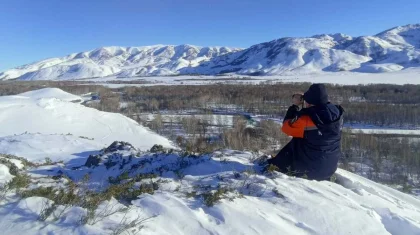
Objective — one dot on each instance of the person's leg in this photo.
(283, 160)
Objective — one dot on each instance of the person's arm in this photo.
(296, 127)
(293, 110)
(291, 113)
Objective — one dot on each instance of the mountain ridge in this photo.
(391, 50)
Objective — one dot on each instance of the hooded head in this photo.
(316, 95)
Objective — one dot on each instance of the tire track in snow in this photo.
(104, 124)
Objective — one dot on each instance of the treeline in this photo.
(74, 87)
(370, 104)
(379, 104)
(391, 159)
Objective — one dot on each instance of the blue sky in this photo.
(31, 30)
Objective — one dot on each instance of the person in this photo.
(314, 150)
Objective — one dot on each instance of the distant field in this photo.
(407, 76)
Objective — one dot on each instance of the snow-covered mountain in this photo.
(118, 61)
(391, 50)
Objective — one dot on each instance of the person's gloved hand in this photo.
(297, 99)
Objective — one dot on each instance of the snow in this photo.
(18, 163)
(48, 93)
(30, 113)
(406, 76)
(5, 176)
(387, 131)
(212, 119)
(57, 147)
(354, 205)
(379, 68)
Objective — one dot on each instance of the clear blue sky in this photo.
(31, 30)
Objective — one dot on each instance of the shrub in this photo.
(48, 161)
(24, 161)
(13, 169)
(157, 148)
(211, 198)
(271, 168)
(407, 188)
(47, 192)
(19, 181)
(128, 191)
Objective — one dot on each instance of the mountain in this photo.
(118, 61)
(391, 50)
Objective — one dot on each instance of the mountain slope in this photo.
(391, 50)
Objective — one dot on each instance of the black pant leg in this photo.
(283, 160)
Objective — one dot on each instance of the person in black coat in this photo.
(314, 150)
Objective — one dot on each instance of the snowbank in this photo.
(48, 93)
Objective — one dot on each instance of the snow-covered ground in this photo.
(50, 93)
(34, 112)
(37, 147)
(396, 131)
(211, 119)
(407, 76)
(253, 203)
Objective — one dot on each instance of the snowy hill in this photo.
(49, 93)
(391, 50)
(177, 193)
(49, 111)
(118, 61)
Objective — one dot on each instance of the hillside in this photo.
(174, 193)
(391, 50)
